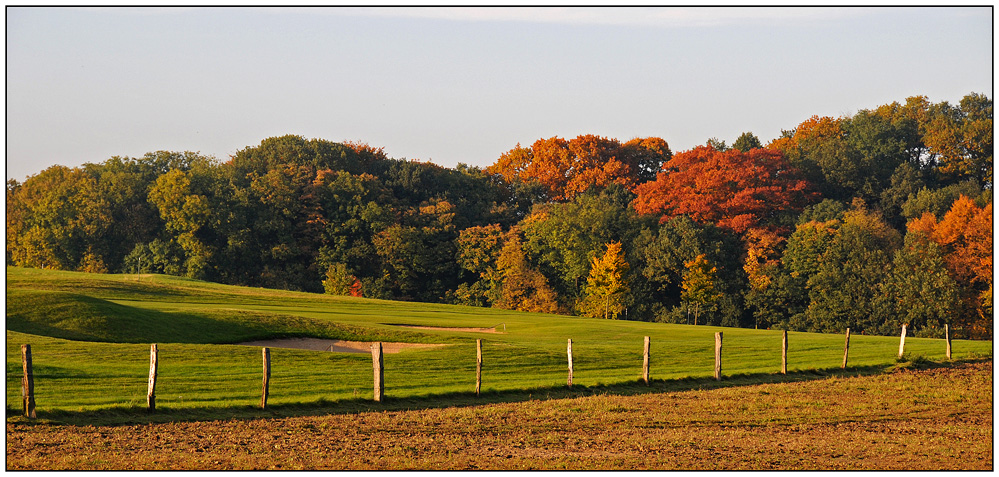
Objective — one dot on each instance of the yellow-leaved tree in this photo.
(606, 293)
(699, 285)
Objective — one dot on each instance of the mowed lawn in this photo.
(90, 337)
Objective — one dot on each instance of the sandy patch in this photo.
(444, 328)
(337, 346)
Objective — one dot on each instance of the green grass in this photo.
(90, 338)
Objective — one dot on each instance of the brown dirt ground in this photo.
(930, 419)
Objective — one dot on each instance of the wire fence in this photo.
(118, 378)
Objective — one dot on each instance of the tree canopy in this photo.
(869, 221)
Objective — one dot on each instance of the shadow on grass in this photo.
(139, 415)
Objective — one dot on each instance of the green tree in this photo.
(939, 201)
(478, 253)
(906, 182)
(843, 290)
(717, 144)
(919, 292)
(961, 139)
(339, 280)
(799, 263)
(53, 218)
(352, 209)
(563, 238)
(661, 260)
(184, 201)
(746, 142)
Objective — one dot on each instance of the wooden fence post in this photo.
(718, 351)
(947, 337)
(151, 390)
(783, 355)
(478, 366)
(266, 352)
(27, 383)
(645, 361)
(379, 369)
(901, 342)
(569, 352)
(846, 348)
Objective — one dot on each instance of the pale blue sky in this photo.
(459, 84)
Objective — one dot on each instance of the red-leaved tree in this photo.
(732, 189)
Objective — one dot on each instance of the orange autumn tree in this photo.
(732, 189)
(807, 136)
(567, 168)
(523, 288)
(964, 234)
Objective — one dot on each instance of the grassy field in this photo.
(90, 338)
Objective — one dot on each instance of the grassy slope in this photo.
(90, 335)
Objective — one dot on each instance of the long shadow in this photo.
(76, 317)
(139, 415)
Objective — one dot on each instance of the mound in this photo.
(85, 318)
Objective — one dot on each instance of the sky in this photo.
(462, 85)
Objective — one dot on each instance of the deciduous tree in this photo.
(606, 292)
(919, 292)
(699, 285)
(567, 168)
(734, 189)
(524, 288)
(965, 239)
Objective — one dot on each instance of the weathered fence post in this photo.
(151, 390)
(901, 342)
(846, 348)
(947, 337)
(478, 366)
(718, 351)
(379, 369)
(783, 355)
(266, 352)
(27, 382)
(645, 361)
(569, 352)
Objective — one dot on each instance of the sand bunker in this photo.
(337, 346)
(443, 328)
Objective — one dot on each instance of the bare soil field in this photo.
(930, 419)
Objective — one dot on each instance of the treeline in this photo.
(865, 221)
